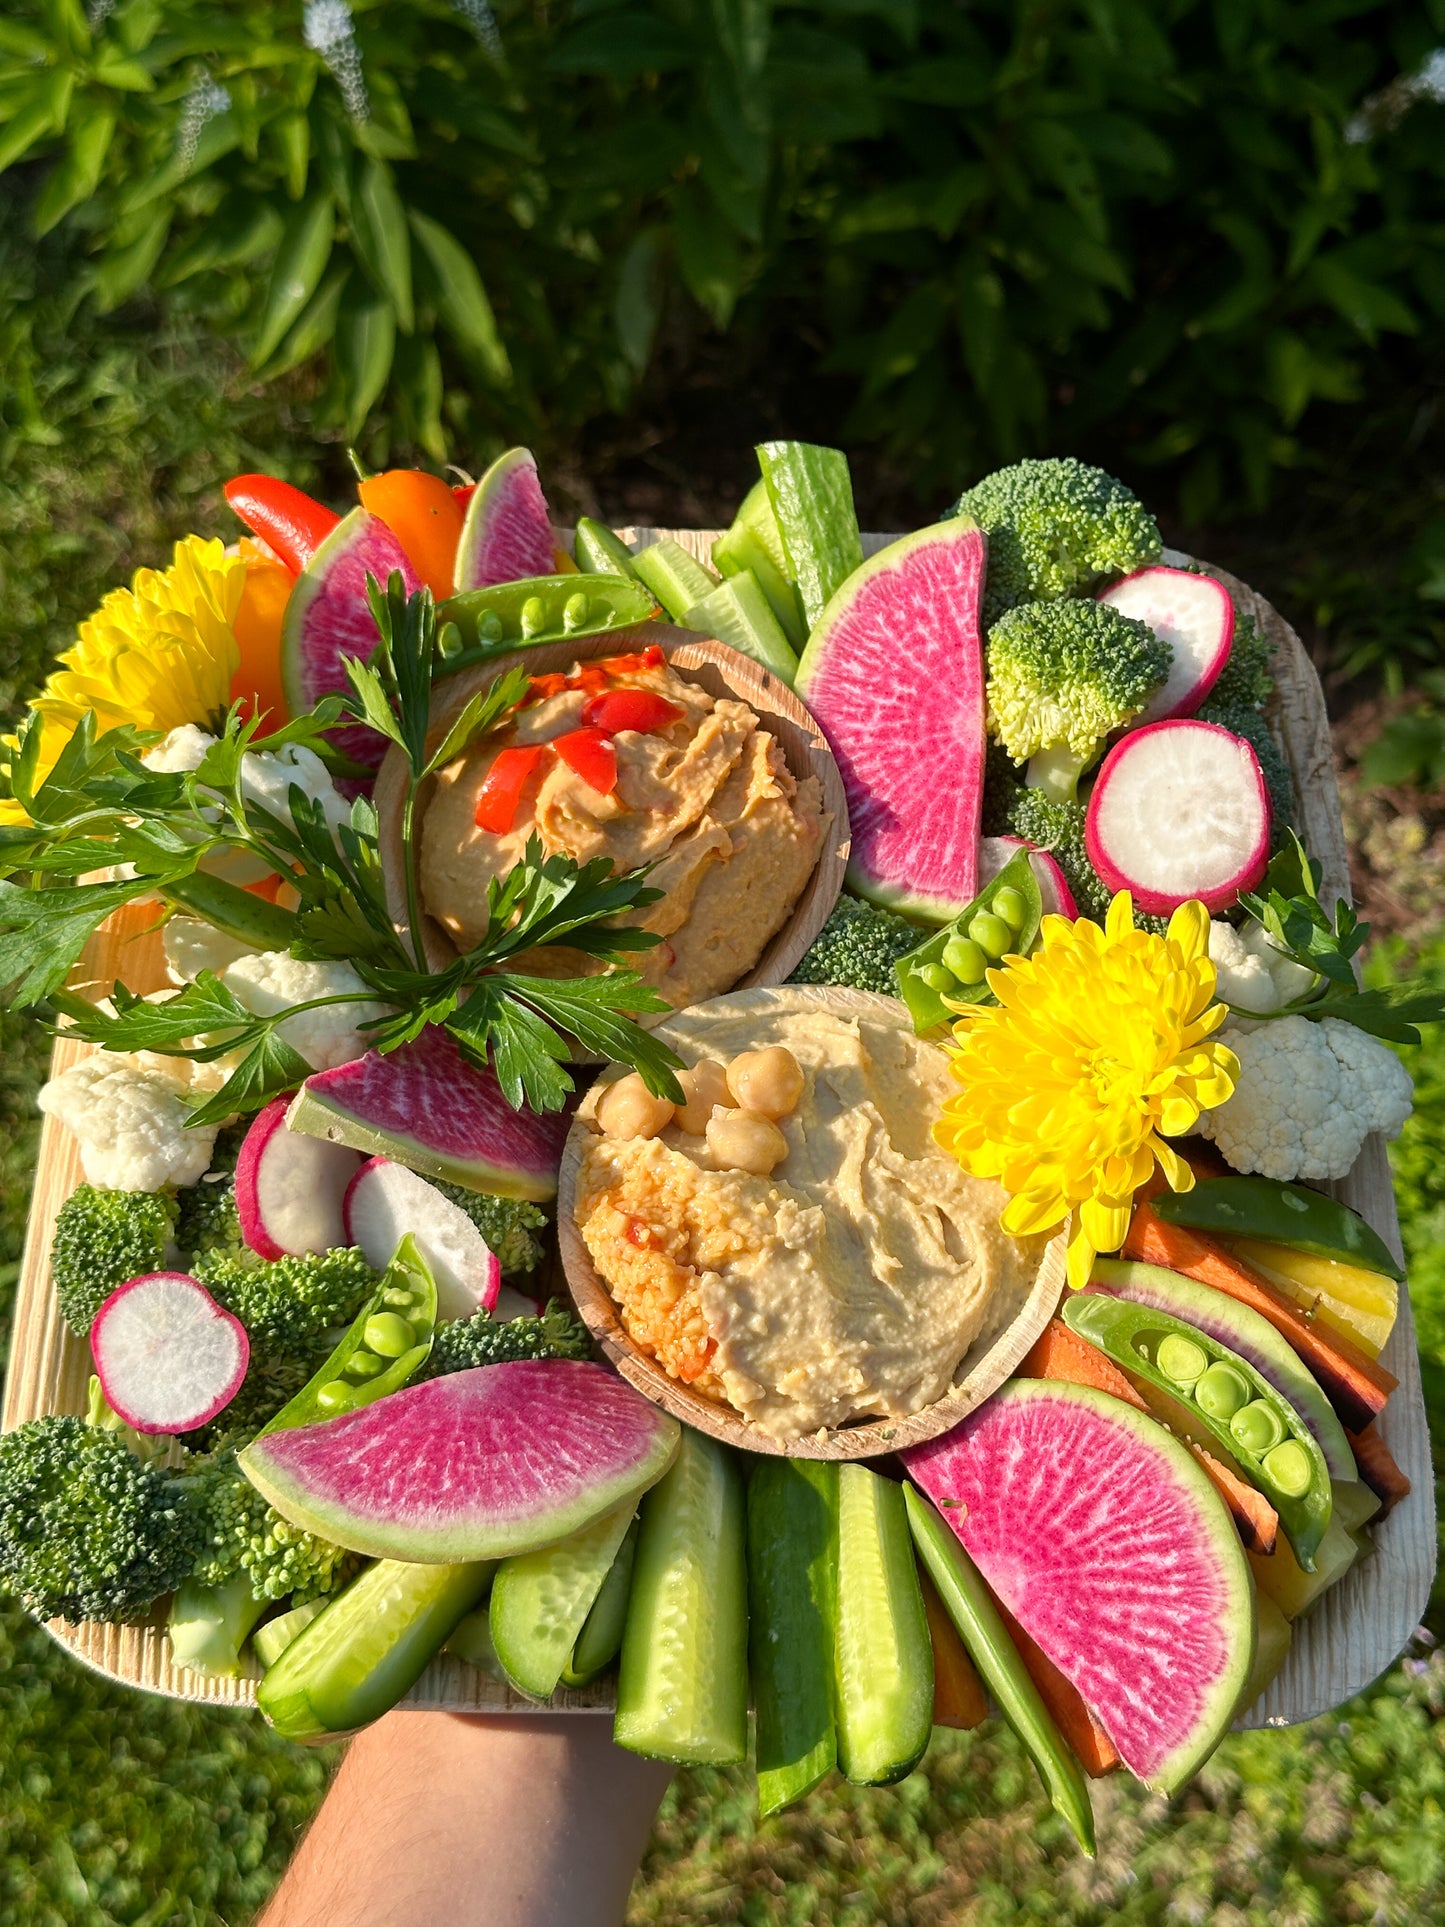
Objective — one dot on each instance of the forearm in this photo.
(437, 1818)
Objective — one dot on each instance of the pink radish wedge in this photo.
(995, 851)
(1179, 811)
(290, 1188)
(384, 1201)
(1194, 615)
(168, 1357)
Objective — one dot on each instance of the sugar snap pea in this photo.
(1280, 1214)
(481, 623)
(388, 1339)
(1255, 1424)
(932, 976)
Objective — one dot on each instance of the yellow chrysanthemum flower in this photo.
(155, 655)
(1097, 1051)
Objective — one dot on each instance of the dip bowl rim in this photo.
(700, 658)
(867, 1439)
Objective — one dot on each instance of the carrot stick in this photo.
(1090, 1743)
(1357, 1386)
(1378, 1468)
(958, 1695)
(1059, 1352)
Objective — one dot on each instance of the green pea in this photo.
(389, 1335)
(939, 979)
(364, 1365)
(534, 616)
(1287, 1467)
(991, 934)
(1009, 905)
(962, 956)
(575, 612)
(1257, 1426)
(1222, 1391)
(1181, 1359)
(336, 1397)
(398, 1298)
(449, 641)
(489, 626)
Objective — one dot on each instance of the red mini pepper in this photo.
(503, 784)
(291, 523)
(637, 709)
(591, 756)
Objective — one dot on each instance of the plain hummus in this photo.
(709, 801)
(849, 1283)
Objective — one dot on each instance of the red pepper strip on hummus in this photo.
(502, 791)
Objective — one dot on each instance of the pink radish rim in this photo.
(263, 1127)
(1199, 695)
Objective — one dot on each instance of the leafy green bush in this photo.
(1000, 226)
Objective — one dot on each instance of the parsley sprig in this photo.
(102, 807)
(1288, 907)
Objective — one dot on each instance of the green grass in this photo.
(119, 1808)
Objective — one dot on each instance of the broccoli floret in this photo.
(509, 1225)
(244, 1534)
(1247, 722)
(858, 947)
(1059, 829)
(1245, 681)
(484, 1340)
(207, 1218)
(286, 1303)
(87, 1531)
(1000, 787)
(101, 1239)
(1061, 676)
(1055, 528)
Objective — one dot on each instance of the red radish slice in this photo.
(384, 1201)
(1179, 811)
(1194, 615)
(515, 1304)
(168, 1357)
(290, 1188)
(995, 851)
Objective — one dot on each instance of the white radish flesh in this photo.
(1056, 896)
(1179, 811)
(1194, 615)
(168, 1357)
(515, 1304)
(385, 1201)
(290, 1188)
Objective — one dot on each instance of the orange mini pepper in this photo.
(257, 681)
(423, 513)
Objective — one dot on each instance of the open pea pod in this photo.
(389, 1338)
(1281, 1214)
(932, 978)
(1259, 1429)
(481, 623)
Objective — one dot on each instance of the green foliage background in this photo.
(940, 234)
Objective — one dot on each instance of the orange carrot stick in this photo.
(1092, 1745)
(1357, 1386)
(958, 1695)
(1378, 1469)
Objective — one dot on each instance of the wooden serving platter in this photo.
(1360, 1626)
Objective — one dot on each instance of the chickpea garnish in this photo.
(769, 1081)
(746, 1141)
(705, 1085)
(628, 1109)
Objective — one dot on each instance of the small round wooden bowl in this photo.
(980, 1373)
(722, 672)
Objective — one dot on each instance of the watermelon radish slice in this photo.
(290, 1189)
(1179, 810)
(384, 1201)
(508, 532)
(1194, 615)
(893, 672)
(428, 1108)
(1106, 1541)
(995, 851)
(168, 1357)
(477, 1465)
(329, 618)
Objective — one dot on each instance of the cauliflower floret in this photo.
(1250, 973)
(273, 980)
(266, 778)
(1307, 1096)
(181, 750)
(131, 1122)
(193, 945)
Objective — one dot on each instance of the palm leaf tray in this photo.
(1357, 1630)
